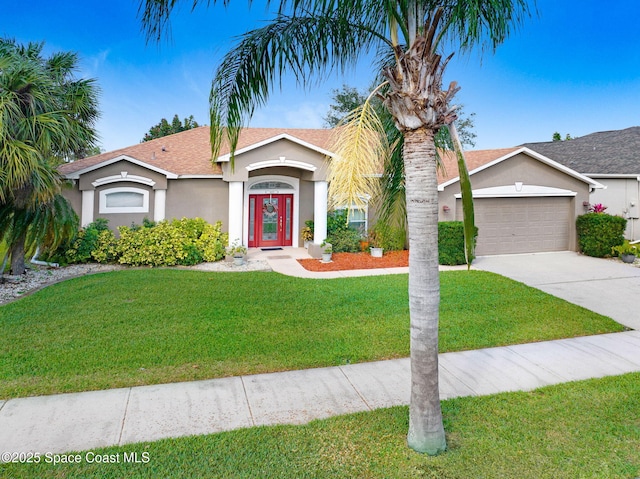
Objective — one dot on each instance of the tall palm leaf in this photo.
(311, 38)
(46, 116)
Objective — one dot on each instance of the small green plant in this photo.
(105, 250)
(326, 247)
(345, 241)
(390, 238)
(625, 248)
(236, 249)
(307, 231)
(80, 248)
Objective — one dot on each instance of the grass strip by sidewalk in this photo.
(588, 429)
(137, 327)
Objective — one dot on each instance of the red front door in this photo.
(270, 220)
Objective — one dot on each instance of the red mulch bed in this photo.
(342, 261)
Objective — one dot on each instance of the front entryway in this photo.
(270, 220)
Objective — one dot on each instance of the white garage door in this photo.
(522, 225)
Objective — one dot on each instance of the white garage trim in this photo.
(519, 190)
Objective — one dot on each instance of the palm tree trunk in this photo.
(17, 256)
(426, 431)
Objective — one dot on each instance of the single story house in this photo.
(525, 202)
(611, 158)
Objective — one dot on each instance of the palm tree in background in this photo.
(46, 116)
(312, 38)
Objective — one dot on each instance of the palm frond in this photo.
(468, 215)
(360, 149)
(309, 46)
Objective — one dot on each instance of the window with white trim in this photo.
(358, 219)
(124, 200)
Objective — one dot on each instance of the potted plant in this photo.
(627, 252)
(375, 243)
(327, 250)
(307, 233)
(237, 250)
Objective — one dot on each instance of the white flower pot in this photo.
(376, 252)
(238, 260)
(326, 257)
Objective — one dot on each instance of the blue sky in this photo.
(574, 68)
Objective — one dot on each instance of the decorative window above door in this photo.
(271, 185)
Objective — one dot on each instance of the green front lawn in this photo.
(150, 326)
(588, 429)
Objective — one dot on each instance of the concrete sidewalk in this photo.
(79, 421)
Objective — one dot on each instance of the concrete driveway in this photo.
(605, 286)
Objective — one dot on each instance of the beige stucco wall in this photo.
(74, 196)
(619, 196)
(274, 151)
(206, 198)
(117, 169)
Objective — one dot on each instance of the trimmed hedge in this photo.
(451, 243)
(599, 232)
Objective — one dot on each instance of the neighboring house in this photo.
(524, 201)
(611, 158)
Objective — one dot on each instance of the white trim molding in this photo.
(519, 190)
(282, 161)
(88, 198)
(320, 206)
(159, 205)
(104, 209)
(281, 136)
(76, 174)
(543, 159)
(123, 176)
(236, 208)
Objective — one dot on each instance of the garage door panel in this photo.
(522, 225)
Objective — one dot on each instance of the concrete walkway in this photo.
(79, 421)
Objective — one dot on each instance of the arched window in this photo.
(271, 185)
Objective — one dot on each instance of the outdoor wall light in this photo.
(445, 208)
(586, 204)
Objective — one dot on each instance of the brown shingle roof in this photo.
(474, 159)
(189, 152)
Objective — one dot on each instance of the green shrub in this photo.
(451, 242)
(79, 249)
(599, 232)
(345, 241)
(388, 237)
(105, 251)
(180, 242)
(212, 242)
